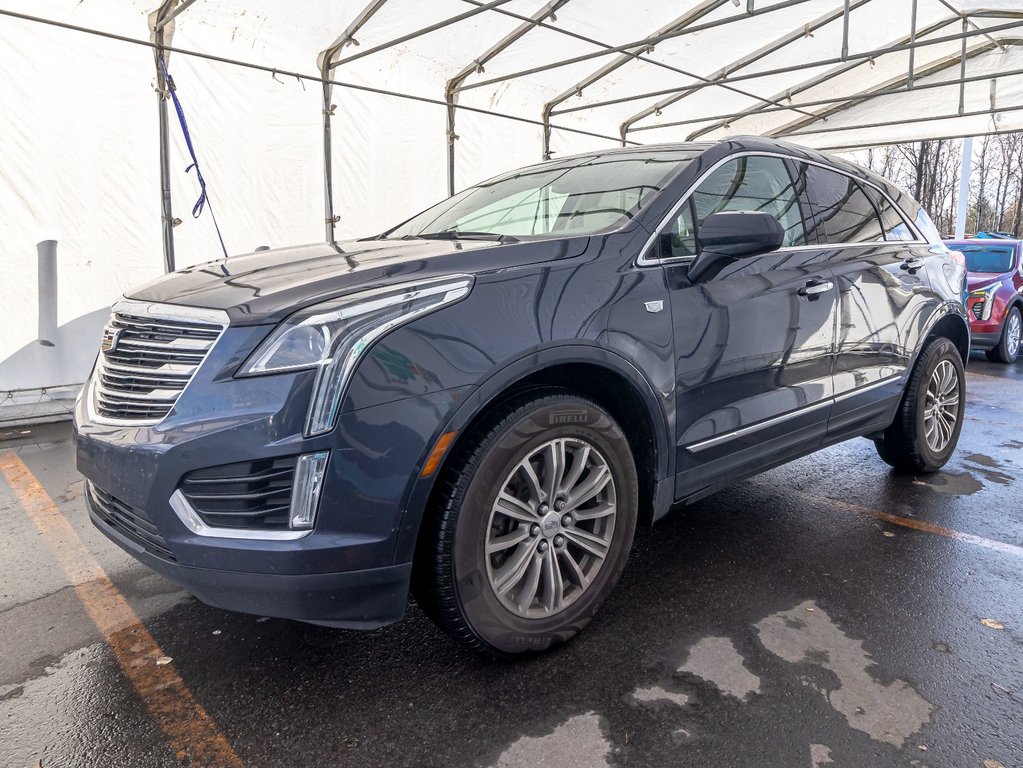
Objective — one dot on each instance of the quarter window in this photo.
(751, 183)
(844, 212)
(895, 227)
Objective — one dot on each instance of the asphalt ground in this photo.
(826, 613)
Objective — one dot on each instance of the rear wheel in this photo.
(1007, 349)
(532, 528)
(926, 429)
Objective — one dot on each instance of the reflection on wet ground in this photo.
(792, 620)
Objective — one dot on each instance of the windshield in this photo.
(575, 196)
(987, 258)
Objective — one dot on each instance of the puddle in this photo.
(952, 483)
(656, 695)
(716, 660)
(578, 742)
(887, 712)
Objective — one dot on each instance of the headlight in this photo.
(334, 336)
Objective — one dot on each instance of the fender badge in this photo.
(654, 306)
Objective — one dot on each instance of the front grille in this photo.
(251, 494)
(131, 522)
(146, 362)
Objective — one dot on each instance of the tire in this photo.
(1007, 349)
(916, 442)
(473, 595)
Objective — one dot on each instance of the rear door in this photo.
(754, 343)
(880, 275)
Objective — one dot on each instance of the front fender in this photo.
(502, 380)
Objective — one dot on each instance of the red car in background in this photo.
(995, 298)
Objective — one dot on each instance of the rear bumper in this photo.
(361, 599)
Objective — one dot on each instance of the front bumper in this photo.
(362, 599)
(347, 571)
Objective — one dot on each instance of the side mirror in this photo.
(730, 235)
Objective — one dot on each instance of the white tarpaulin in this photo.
(79, 158)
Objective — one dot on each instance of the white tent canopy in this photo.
(423, 97)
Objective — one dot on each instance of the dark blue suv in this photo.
(481, 404)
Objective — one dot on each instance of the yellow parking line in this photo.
(920, 525)
(189, 730)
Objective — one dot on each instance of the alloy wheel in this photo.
(941, 406)
(551, 527)
(1012, 334)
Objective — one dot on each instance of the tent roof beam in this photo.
(864, 56)
(643, 43)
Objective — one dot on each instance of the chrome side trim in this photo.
(643, 261)
(866, 388)
(711, 442)
(191, 520)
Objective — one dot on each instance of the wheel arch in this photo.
(590, 371)
(952, 325)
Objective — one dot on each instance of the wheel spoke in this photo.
(553, 583)
(509, 506)
(501, 543)
(536, 492)
(593, 513)
(514, 569)
(575, 571)
(588, 542)
(579, 459)
(554, 470)
(528, 592)
(594, 483)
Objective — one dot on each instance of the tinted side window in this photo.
(844, 212)
(895, 227)
(744, 184)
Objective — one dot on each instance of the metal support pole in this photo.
(168, 18)
(845, 31)
(325, 62)
(912, 43)
(964, 188)
(330, 218)
(962, 69)
(47, 279)
(452, 87)
(161, 24)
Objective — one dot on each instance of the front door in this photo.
(754, 343)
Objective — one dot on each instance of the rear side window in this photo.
(895, 227)
(751, 183)
(844, 212)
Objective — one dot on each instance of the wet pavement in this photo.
(827, 613)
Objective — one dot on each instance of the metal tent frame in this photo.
(740, 77)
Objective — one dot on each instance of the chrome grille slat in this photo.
(153, 357)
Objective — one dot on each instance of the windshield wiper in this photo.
(456, 234)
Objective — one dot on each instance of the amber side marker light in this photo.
(439, 449)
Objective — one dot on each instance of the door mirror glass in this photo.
(730, 235)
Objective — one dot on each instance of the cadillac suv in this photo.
(995, 301)
(482, 403)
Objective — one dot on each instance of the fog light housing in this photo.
(305, 495)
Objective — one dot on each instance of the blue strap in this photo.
(204, 200)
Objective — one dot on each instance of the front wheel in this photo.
(532, 527)
(926, 429)
(1007, 349)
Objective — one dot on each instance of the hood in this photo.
(978, 280)
(267, 286)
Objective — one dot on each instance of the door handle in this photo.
(912, 264)
(813, 289)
